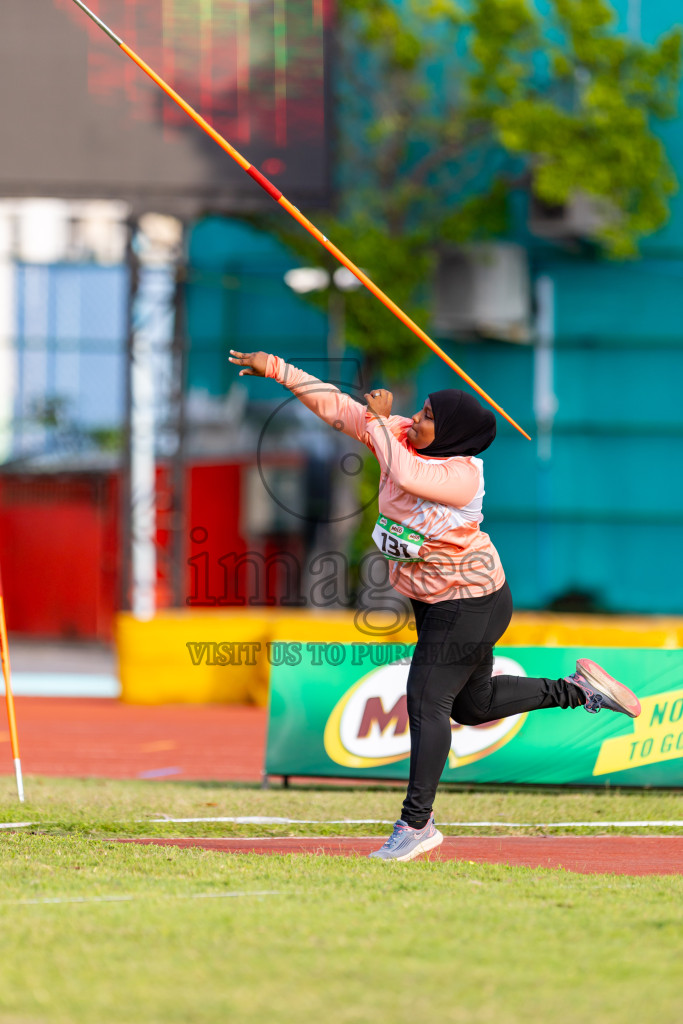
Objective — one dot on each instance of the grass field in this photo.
(157, 934)
(101, 807)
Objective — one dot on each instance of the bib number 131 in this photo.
(393, 547)
(396, 541)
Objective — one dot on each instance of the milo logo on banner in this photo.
(369, 725)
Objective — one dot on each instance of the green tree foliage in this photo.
(445, 109)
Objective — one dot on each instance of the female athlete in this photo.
(430, 501)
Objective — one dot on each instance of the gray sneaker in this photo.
(406, 843)
(602, 690)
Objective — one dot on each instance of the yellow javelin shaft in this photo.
(275, 194)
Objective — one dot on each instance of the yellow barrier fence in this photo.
(224, 656)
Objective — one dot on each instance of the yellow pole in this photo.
(9, 697)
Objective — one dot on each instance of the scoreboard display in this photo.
(79, 119)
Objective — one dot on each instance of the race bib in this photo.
(397, 542)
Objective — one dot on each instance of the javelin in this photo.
(11, 717)
(275, 194)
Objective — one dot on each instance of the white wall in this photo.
(7, 351)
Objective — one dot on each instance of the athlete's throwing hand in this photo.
(254, 363)
(379, 401)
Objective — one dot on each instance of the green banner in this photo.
(340, 710)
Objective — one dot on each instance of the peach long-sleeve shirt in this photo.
(439, 498)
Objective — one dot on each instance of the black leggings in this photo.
(450, 678)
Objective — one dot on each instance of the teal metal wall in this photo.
(603, 516)
(237, 298)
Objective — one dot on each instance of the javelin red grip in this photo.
(264, 183)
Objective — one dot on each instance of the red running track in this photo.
(100, 737)
(108, 739)
(619, 855)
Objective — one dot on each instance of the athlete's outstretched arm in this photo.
(329, 403)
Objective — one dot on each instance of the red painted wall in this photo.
(60, 548)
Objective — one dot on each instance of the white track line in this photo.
(128, 899)
(449, 824)
(258, 820)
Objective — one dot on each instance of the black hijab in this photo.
(461, 425)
